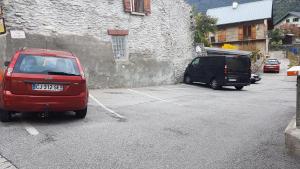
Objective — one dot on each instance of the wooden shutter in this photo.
(127, 5)
(147, 7)
(253, 31)
(241, 33)
(222, 36)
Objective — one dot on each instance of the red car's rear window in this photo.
(46, 65)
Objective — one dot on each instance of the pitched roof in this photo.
(297, 14)
(244, 12)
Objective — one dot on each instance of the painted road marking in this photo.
(4, 163)
(112, 113)
(153, 97)
(148, 95)
(30, 129)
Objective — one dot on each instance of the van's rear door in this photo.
(238, 69)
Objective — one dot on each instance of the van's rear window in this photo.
(46, 65)
(238, 64)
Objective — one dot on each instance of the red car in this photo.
(40, 80)
(272, 65)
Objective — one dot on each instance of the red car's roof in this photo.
(46, 52)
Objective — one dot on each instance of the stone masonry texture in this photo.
(159, 46)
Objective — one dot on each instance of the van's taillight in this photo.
(225, 70)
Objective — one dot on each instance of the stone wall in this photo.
(2, 49)
(159, 45)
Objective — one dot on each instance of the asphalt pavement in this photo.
(174, 126)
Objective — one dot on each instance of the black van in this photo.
(218, 71)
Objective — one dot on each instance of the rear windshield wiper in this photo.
(62, 73)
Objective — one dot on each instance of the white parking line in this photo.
(30, 129)
(113, 113)
(153, 97)
(148, 95)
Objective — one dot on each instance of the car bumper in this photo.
(256, 79)
(236, 84)
(271, 69)
(29, 103)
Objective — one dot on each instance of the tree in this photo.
(291, 29)
(276, 35)
(203, 26)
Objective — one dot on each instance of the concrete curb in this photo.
(5, 164)
(292, 137)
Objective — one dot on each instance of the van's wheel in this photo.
(5, 116)
(80, 114)
(187, 79)
(214, 84)
(239, 87)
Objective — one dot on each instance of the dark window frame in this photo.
(138, 6)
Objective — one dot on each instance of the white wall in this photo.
(164, 35)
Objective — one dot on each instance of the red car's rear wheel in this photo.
(5, 116)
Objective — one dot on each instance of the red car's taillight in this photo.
(7, 79)
(82, 75)
(9, 72)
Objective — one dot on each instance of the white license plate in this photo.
(232, 80)
(48, 87)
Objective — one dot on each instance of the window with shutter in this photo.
(138, 6)
(247, 31)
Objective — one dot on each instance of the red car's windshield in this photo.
(46, 65)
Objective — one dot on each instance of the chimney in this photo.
(235, 4)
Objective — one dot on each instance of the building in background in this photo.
(121, 43)
(243, 25)
(290, 25)
(291, 18)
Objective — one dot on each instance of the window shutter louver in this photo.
(241, 33)
(127, 5)
(147, 7)
(222, 36)
(253, 32)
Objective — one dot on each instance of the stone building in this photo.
(243, 25)
(121, 43)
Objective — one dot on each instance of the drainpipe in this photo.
(298, 102)
(267, 36)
